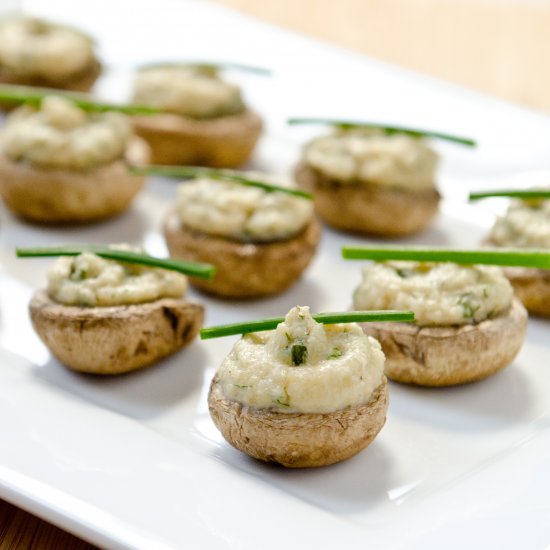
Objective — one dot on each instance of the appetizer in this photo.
(372, 179)
(260, 233)
(305, 394)
(111, 311)
(205, 120)
(35, 52)
(526, 224)
(63, 160)
(468, 325)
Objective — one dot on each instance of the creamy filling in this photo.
(438, 294)
(303, 366)
(60, 135)
(32, 48)
(188, 91)
(526, 224)
(88, 280)
(243, 213)
(353, 157)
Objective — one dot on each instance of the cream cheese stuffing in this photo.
(32, 48)
(303, 366)
(240, 212)
(526, 224)
(350, 157)
(188, 90)
(60, 135)
(437, 293)
(88, 280)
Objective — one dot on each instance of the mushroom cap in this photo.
(368, 208)
(532, 287)
(71, 196)
(78, 82)
(243, 270)
(444, 356)
(223, 142)
(116, 339)
(298, 440)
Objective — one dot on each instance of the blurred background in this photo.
(495, 46)
(499, 47)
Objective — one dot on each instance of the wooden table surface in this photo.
(497, 47)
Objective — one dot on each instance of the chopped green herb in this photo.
(336, 352)
(299, 354)
(468, 307)
(280, 401)
(404, 273)
(241, 387)
(78, 274)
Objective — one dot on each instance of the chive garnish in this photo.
(389, 130)
(325, 318)
(501, 256)
(203, 271)
(215, 65)
(32, 95)
(512, 193)
(211, 173)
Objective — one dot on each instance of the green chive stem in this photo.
(211, 173)
(512, 193)
(324, 318)
(221, 65)
(389, 130)
(32, 95)
(502, 256)
(202, 271)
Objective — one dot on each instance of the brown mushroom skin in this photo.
(78, 82)
(116, 339)
(532, 287)
(298, 440)
(71, 196)
(445, 356)
(243, 270)
(368, 208)
(224, 142)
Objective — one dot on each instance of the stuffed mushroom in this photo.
(205, 123)
(35, 52)
(526, 224)
(366, 181)
(102, 316)
(468, 325)
(60, 164)
(303, 395)
(259, 240)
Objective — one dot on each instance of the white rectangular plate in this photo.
(135, 462)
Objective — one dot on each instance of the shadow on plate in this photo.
(307, 292)
(537, 330)
(496, 403)
(142, 395)
(433, 236)
(348, 487)
(126, 227)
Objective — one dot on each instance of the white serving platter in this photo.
(135, 462)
